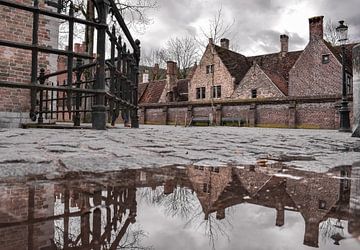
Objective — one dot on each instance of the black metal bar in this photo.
(49, 87)
(42, 49)
(82, 67)
(78, 94)
(99, 110)
(47, 13)
(52, 102)
(70, 59)
(46, 102)
(113, 40)
(122, 24)
(42, 82)
(34, 59)
(344, 110)
(135, 116)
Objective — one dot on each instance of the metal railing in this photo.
(110, 86)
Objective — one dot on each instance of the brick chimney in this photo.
(156, 71)
(171, 78)
(225, 43)
(145, 76)
(284, 42)
(316, 28)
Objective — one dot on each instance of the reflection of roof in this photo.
(236, 64)
(151, 92)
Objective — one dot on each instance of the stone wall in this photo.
(15, 64)
(286, 112)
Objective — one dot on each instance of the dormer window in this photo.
(325, 59)
(210, 69)
(254, 93)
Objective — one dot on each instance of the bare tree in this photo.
(184, 51)
(135, 13)
(217, 28)
(153, 56)
(330, 33)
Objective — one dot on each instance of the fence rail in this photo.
(99, 86)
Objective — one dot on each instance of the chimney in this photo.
(284, 42)
(316, 28)
(225, 43)
(156, 72)
(211, 41)
(171, 78)
(145, 76)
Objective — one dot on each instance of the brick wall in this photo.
(286, 112)
(255, 78)
(221, 77)
(310, 77)
(15, 64)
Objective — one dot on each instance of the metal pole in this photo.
(42, 82)
(78, 94)
(34, 59)
(344, 110)
(99, 109)
(134, 112)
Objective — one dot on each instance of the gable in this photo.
(257, 79)
(311, 77)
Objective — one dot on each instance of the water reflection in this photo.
(101, 212)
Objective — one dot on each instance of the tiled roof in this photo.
(151, 91)
(336, 50)
(277, 67)
(236, 64)
(183, 86)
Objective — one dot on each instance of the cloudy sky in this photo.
(258, 23)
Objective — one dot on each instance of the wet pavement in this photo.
(263, 206)
(179, 188)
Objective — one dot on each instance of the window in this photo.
(322, 204)
(325, 59)
(209, 69)
(216, 91)
(254, 93)
(206, 188)
(200, 93)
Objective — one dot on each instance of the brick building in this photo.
(15, 64)
(284, 89)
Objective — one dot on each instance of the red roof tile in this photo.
(151, 92)
(237, 64)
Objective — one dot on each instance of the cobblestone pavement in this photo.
(53, 152)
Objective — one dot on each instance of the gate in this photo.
(100, 86)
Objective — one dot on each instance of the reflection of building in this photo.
(20, 209)
(91, 214)
(354, 223)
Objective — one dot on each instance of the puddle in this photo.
(184, 207)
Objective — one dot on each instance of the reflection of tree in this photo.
(181, 202)
(184, 204)
(329, 228)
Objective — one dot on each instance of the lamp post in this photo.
(342, 31)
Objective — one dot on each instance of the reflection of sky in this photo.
(251, 227)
